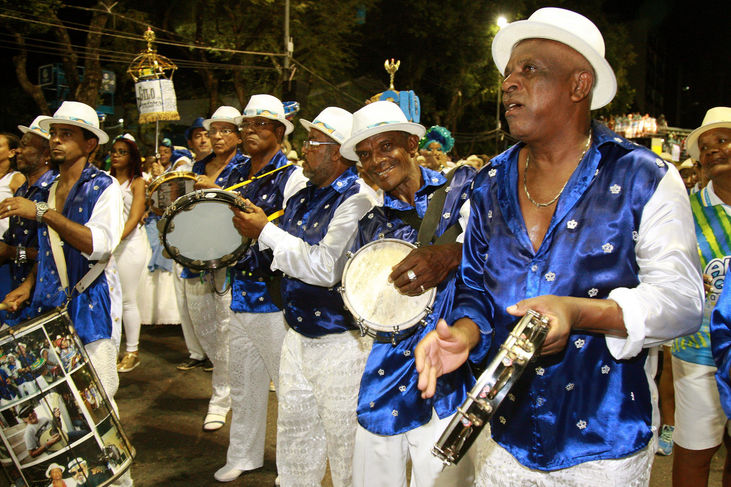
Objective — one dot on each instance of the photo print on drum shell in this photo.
(52, 417)
(115, 449)
(83, 465)
(91, 396)
(65, 343)
(28, 365)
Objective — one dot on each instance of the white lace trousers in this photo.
(381, 461)
(497, 467)
(210, 315)
(103, 357)
(255, 346)
(319, 379)
(195, 350)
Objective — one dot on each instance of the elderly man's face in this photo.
(225, 138)
(538, 86)
(261, 135)
(386, 157)
(318, 164)
(715, 148)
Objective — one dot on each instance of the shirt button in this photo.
(534, 268)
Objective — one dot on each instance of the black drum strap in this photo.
(428, 225)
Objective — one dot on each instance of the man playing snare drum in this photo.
(202, 309)
(590, 230)
(257, 327)
(396, 424)
(323, 355)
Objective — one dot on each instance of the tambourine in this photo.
(523, 343)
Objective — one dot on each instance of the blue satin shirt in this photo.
(580, 404)
(249, 292)
(389, 402)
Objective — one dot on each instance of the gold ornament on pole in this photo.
(391, 68)
(408, 101)
(153, 76)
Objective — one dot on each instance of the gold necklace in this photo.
(525, 177)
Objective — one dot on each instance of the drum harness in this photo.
(427, 228)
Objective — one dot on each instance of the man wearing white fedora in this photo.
(323, 353)
(20, 243)
(420, 205)
(700, 421)
(199, 304)
(590, 230)
(79, 227)
(257, 326)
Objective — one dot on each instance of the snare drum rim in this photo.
(377, 327)
(200, 196)
(157, 182)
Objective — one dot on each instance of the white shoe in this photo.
(214, 422)
(227, 474)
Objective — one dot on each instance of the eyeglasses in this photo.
(311, 144)
(121, 152)
(225, 131)
(255, 124)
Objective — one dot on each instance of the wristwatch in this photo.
(21, 257)
(41, 209)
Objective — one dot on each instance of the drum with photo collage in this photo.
(56, 422)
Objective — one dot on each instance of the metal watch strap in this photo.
(41, 209)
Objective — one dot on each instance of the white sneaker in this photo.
(227, 474)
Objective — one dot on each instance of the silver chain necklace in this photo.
(525, 177)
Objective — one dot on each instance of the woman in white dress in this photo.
(10, 179)
(132, 250)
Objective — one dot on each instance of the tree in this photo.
(43, 18)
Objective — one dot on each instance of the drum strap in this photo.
(60, 258)
(428, 225)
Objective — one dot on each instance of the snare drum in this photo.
(375, 302)
(197, 230)
(168, 187)
(56, 413)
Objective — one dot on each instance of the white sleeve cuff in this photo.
(635, 316)
(99, 243)
(270, 235)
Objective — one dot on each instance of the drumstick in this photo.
(230, 188)
(4, 306)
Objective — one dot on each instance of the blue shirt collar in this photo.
(432, 181)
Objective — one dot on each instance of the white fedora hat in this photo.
(267, 106)
(376, 118)
(78, 114)
(225, 114)
(566, 27)
(35, 127)
(333, 122)
(715, 118)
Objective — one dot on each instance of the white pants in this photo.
(498, 468)
(319, 379)
(103, 357)
(210, 314)
(381, 460)
(195, 350)
(130, 256)
(700, 422)
(255, 346)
